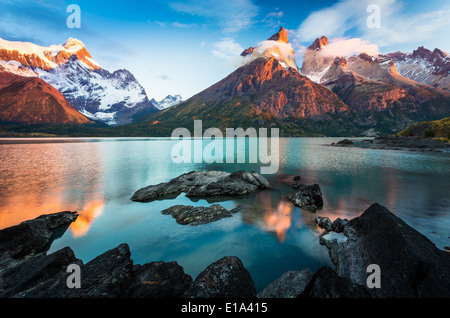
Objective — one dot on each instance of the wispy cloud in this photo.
(164, 77)
(228, 49)
(183, 25)
(273, 19)
(397, 25)
(231, 15)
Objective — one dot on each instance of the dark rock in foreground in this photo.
(32, 238)
(290, 285)
(158, 280)
(326, 283)
(410, 264)
(307, 197)
(226, 277)
(196, 215)
(204, 184)
(28, 272)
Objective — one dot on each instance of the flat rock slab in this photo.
(32, 237)
(204, 184)
(196, 215)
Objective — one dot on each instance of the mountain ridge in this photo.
(31, 100)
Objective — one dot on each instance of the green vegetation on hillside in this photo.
(429, 129)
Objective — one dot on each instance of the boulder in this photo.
(204, 184)
(323, 222)
(158, 280)
(308, 197)
(289, 285)
(339, 225)
(336, 226)
(410, 264)
(225, 278)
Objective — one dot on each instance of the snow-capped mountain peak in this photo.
(46, 58)
(112, 98)
(167, 102)
(276, 46)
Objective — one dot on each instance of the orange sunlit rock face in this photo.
(31, 100)
(280, 36)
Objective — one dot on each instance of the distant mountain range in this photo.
(328, 95)
(113, 98)
(167, 102)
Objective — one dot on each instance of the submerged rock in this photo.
(307, 197)
(204, 184)
(225, 278)
(196, 215)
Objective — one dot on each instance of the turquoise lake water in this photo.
(97, 177)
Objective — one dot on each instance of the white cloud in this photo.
(398, 26)
(227, 49)
(347, 47)
(231, 15)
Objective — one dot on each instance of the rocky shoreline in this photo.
(408, 143)
(409, 264)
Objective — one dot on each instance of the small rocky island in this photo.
(204, 184)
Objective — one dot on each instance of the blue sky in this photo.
(183, 47)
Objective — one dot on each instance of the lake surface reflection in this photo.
(97, 177)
